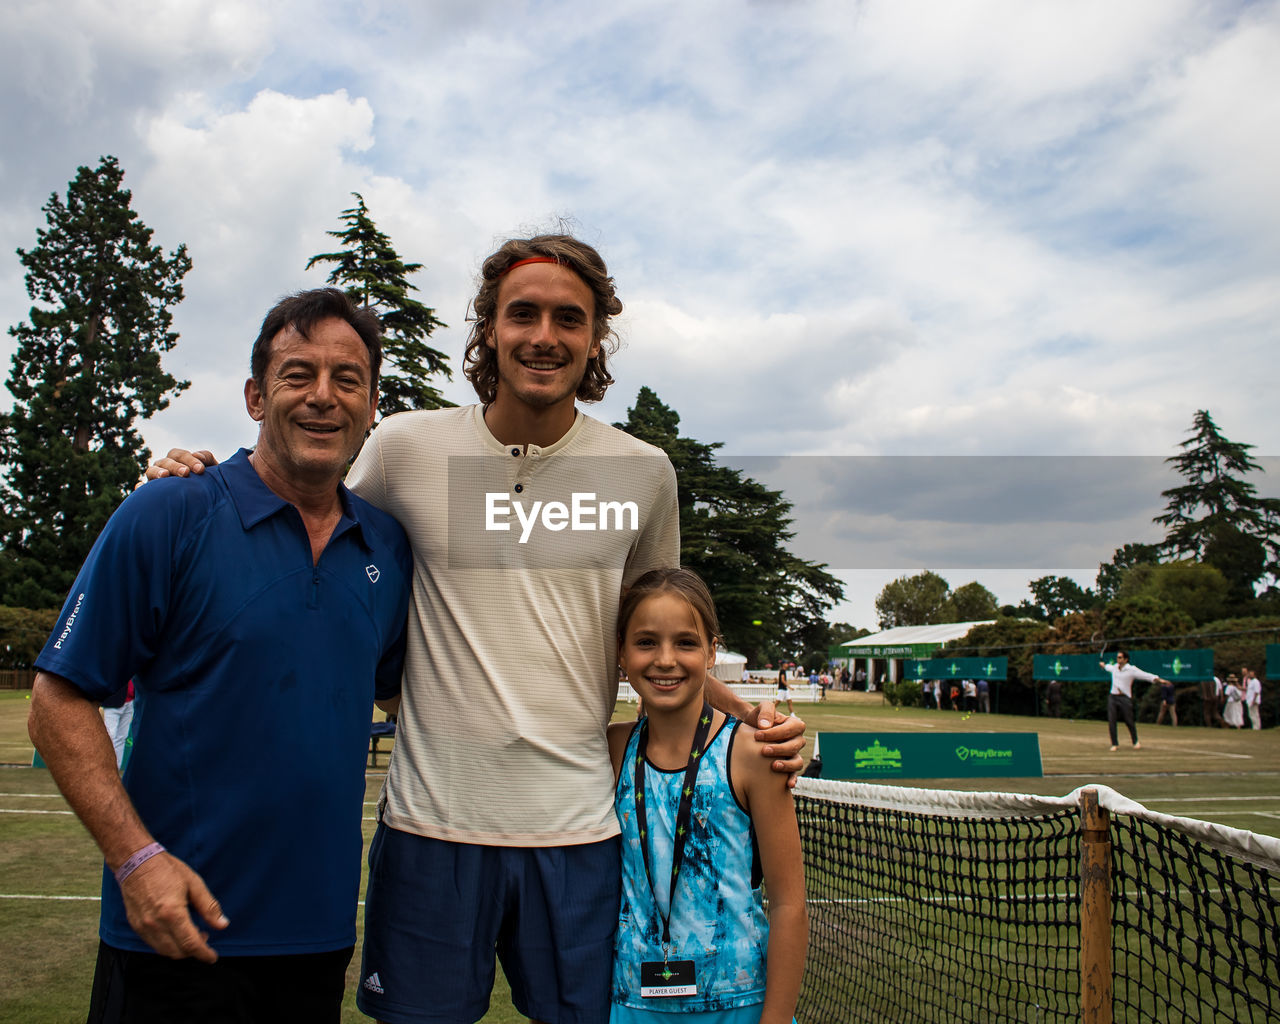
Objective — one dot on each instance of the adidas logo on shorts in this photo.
(373, 983)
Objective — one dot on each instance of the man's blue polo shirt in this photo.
(255, 673)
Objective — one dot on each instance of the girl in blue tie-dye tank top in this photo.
(702, 816)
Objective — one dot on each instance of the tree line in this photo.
(88, 368)
(1211, 582)
(1220, 557)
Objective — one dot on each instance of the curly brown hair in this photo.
(480, 362)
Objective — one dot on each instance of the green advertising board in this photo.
(888, 756)
(1182, 666)
(1185, 665)
(1273, 662)
(1069, 668)
(891, 651)
(957, 668)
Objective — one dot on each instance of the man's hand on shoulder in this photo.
(180, 462)
(783, 736)
(158, 900)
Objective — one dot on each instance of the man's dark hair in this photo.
(302, 311)
(1125, 653)
(480, 362)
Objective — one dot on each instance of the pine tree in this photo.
(1217, 516)
(373, 274)
(87, 367)
(733, 532)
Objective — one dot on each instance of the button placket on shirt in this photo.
(528, 460)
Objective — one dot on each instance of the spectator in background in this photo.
(1253, 699)
(1168, 703)
(1053, 697)
(860, 678)
(970, 695)
(984, 696)
(1211, 693)
(784, 692)
(1233, 711)
(117, 716)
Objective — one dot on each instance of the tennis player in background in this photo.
(1120, 700)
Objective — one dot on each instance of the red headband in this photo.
(531, 259)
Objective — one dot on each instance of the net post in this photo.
(1095, 911)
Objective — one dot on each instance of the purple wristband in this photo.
(136, 861)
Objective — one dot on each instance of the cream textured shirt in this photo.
(520, 555)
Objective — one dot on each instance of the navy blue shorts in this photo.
(147, 988)
(436, 913)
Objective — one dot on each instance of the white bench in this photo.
(804, 692)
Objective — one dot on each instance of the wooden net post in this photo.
(1095, 910)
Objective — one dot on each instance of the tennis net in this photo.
(934, 905)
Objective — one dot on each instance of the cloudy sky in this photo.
(871, 232)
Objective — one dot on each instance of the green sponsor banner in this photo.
(957, 668)
(1182, 666)
(1188, 665)
(892, 651)
(884, 756)
(1273, 661)
(1069, 668)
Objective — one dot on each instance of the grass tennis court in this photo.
(50, 868)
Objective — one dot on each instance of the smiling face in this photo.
(543, 336)
(315, 403)
(666, 652)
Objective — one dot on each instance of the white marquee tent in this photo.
(729, 665)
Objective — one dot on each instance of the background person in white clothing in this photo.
(1120, 700)
(1253, 698)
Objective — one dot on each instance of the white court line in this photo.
(38, 796)
(32, 896)
(1209, 753)
(75, 899)
(1209, 799)
(1146, 750)
(29, 810)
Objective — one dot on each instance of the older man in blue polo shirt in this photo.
(260, 613)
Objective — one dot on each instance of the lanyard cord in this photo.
(683, 814)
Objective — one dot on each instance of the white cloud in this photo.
(883, 227)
